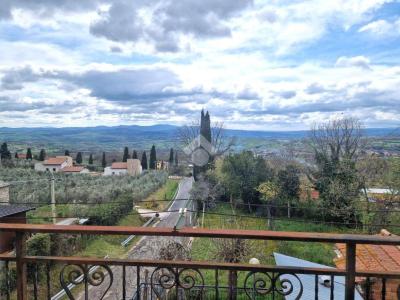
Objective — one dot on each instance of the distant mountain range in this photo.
(103, 138)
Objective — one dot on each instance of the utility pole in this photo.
(53, 199)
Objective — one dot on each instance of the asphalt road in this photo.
(147, 248)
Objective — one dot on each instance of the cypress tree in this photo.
(134, 154)
(103, 160)
(91, 159)
(78, 158)
(16, 155)
(153, 158)
(126, 154)
(66, 153)
(42, 155)
(144, 161)
(176, 159)
(171, 156)
(4, 152)
(29, 154)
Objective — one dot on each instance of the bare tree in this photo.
(232, 251)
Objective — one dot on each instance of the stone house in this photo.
(131, 167)
(4, 192)
(54, 164)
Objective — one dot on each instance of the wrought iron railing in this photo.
(95, 278)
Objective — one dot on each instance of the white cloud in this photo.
(356, 61)
(382, 28)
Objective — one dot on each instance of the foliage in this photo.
(126, 154)
(171, 156)
(289, 183)
(336, 146)
(144, 160)
(4, 152)
(241, 175)
(66, 153)
(42, 155)
(29, 153)
(78, 158)
(134, 154)
(153, 158)
(103, 160)
(91, 159)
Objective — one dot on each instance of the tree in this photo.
(269, 191)
(153, 158)
(29, 154)
(336, 146)
(176, 159)
(103, 160)
(126, 154)
(289, 185)
(144, 160)
(241, 174)
(4, 152)
(171, 156)
(134, 155)
(78, 158)
(205, 142)
(42, 155)
(66, 153)
(91, 159)
(16, 155)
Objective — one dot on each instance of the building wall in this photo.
(109, 172)
(4, 194)
(392, 289)
(134, 167)
(7, 238)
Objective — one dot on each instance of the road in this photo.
(147, 248)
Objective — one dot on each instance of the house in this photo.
(54, 164)
(131, 167)
(4, 192)
(375, 258)
(75, 170)
(11, 213)
(308, 280)
(162, 165)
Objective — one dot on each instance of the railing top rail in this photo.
(201, 232)
(207, 265)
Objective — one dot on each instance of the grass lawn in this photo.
(159, 200)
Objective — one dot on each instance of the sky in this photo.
(254, 64)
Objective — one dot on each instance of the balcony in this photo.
(104, 278)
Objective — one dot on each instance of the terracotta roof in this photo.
(12, 209)
(73, 169)
(119, 165)
(55, 161)
(372, 257)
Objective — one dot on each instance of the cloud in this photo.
(164, 23)
(382, 28)
(46, 7)
(356, 61)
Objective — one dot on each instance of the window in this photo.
(54, 169)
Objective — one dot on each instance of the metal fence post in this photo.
(20, 252)
(350, 270)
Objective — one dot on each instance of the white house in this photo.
(131, 167)
(54, 164)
